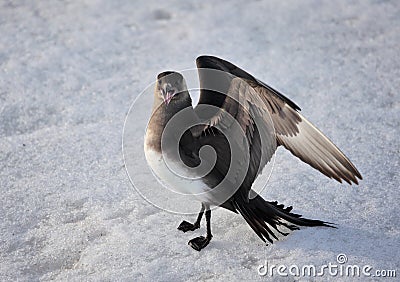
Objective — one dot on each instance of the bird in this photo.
(242, 121)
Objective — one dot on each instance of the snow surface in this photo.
(69, 71)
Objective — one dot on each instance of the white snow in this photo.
(69, 71)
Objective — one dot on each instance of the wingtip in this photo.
(353, 180)
(355, 174)
(358, 174)
(350, 181)
(359, 178)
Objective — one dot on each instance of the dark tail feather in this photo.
(264, 217)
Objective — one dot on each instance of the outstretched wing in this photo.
(248, 132)
(256, 98)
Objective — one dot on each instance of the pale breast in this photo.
(176, 176)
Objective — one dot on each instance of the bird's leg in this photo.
(201, 242)
(187, 226)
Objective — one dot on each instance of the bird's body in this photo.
(244, 121)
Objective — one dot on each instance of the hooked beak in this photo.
(168, 92)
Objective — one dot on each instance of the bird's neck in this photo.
(161, 115)
(162, 112)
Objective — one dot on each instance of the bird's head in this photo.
(170, 85)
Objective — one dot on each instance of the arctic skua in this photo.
(244, 121)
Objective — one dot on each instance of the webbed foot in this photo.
(187, 226)
(199, 243)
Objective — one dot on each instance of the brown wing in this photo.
(292, 130)
(305, 141)
(249, 139)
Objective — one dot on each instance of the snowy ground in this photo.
(68, 74)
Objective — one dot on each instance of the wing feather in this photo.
(314, 148)
(258, 101)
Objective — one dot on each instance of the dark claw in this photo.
(187, 226)
(199, 243)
